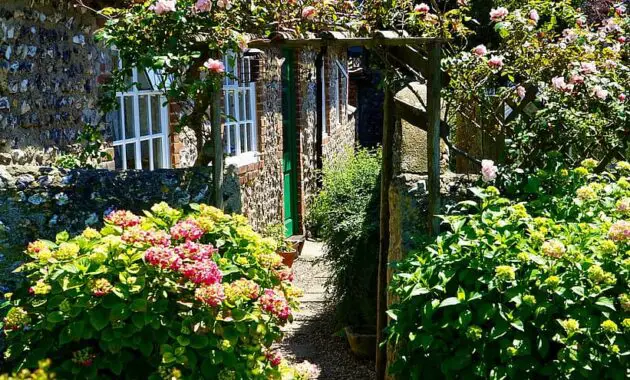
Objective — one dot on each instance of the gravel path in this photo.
(312, 334)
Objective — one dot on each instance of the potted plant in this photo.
(362, 341)
(285, 248)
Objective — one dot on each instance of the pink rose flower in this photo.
(203, 6)
(214, 65)
(224, 4)
(576, 79)
(588, 68)
(534, 16)
(462, 3)
(488, 170)
(422, 8)
(558, 83)
(521, 92)
(480, 50)
(600, 93)
(309, 13)
(243, 41)
(622, 39)
(163, 6)
(622, 97)
(620, 10)
(495, 62)
(498, 14)
(581, 21)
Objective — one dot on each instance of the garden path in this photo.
(312, 334)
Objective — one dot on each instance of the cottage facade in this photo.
(288, 110)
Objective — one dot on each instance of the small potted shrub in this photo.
(285, 248)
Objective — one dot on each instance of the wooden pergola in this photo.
(422, 56)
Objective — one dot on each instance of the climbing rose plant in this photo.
(170, 294)
(522, 290)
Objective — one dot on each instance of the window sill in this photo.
(242, 159)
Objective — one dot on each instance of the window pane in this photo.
(248, 104)
(156, 109)
(131, 156)
(145, 154)
(118, 157)
(231, 111)
(232, 140)
(130, 130)
(115, 119)
(250, 137)
(241, 105)
(143, 81)
(158, 157)
(243, 137)
(143, 105)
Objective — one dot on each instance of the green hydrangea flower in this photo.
(474, 333)
(570, 325)
(505, 273)
(609, 326)
(590, 163)
(529, 299)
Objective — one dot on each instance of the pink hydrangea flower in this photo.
(138, 235)
(496, 62)
(163, 257)
(275, 303)
(195, 251)
(163, 6)
(309, 13)
(212, 295)
(619, 231)
(480, 50)
(620, 10)
(488, 170)
(534, 16)
(274, 357)
(498, 14)
(202, 272)
(284, 274)
(521, 92)
(214, 65)
(203, 6)
(600, 93)
(122, 218)
(422, 8)
(244, 288)
(188, 229)
(588, 68)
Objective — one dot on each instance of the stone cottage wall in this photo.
(49, 64)
(37, 202)
(340, 135)
(262, 182)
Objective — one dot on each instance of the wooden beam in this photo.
(434, 90)
(389, 125)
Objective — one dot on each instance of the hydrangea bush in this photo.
(170, 294)
(522, 290)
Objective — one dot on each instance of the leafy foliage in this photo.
(172, 294)
(345, 214)
(522, 290)
(90, 153)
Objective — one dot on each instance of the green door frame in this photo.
(289, 153)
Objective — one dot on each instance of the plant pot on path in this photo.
(288, 257)
(362, 341)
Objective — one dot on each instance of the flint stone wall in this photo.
(49, 67)
(38, 202)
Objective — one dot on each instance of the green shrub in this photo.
(41, 373)
(345, 214)
(522, 290)
(168, 295)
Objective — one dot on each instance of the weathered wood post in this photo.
(389, 124)
(434, 111)
(217, 139)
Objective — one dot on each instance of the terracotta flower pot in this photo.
(362, 341)
(288, 257)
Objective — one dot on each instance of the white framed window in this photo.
(140, 124)
(340, 76)
(239, 97)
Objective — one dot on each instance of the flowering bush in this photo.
(41, 373)
(522, 290)
(171, 294)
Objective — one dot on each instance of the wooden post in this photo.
(434, 89)
(217, 139)
(389, 125)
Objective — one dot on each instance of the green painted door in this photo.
(289, 156)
